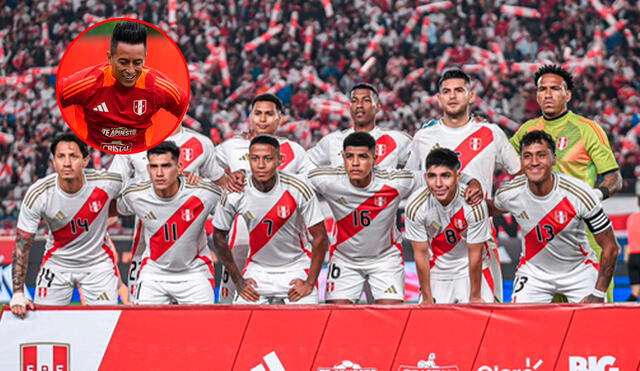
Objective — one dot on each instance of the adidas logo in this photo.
(523, 215)
(102, 107)
(103, 296)
(342, 200)
(60, 215)
(249, 215)
(150, 216)
(391, 290)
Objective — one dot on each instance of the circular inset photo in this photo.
(123, 86)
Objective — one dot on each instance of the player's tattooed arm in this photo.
(610, 249)
(244, 287)
(611, 183)
(24, 241)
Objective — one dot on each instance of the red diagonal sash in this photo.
(189, 152)
(286, 155)
(384, 146)
(175, 227)
(557, 219)
(272, 222)
(80, 222)
(440, 245)
(473, 145)
(374, 205)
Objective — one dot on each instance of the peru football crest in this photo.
(380, 201)
(95, 206)
(475, 144)
(562, 143)
(187, 154)
(381, 149)
(561, 216)
(139, 106)
(460, 224)
(187, 215)
(44, 356)
(283, 211)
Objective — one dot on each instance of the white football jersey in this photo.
(479, 145)
(392, 148)
(365, 218)
(233, 154)
(197, 154)
(77, 222)
(277, 221)
(447, 229)
(173, 228)
(553, 227)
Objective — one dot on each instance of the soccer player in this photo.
(392, 146)
(118, 99)
(448, 236)
(176, 264)
(74, 204)
(582, 147)
(553, 210)
(279, 209)
(266, 114)
(479, 144)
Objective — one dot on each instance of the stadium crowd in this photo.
(478, 35)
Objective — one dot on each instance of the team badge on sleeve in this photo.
(563, 142)
(139, 106)
(283, 211)
(95, 206)
(187, 215)
(475, 143)
(561, 216)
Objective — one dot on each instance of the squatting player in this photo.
(582, 147)
(74, 204)
(266, 115)
(176, 264)
(119, 98)
(448, 236)
(479, 144)
(279, 209)
(553, 210)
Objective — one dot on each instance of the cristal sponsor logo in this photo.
(116, 147)
(528, 366)
(347, 365)
(44, 356)
(118, 132)
(428, 365)
(592, 363)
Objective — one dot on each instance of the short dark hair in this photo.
(454, 73)
(538, 136)
(168, 146)
(367, 86)
(556, 70)
(267, 97)
(266, 139)
(69, 137)
(128, 32)
(359, 139)
(442, 157)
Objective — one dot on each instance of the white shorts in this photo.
(345, 280)
(534, 286)
(157, 292)
(274, 287)
(457, 290)
(239, 245)
(55, 287)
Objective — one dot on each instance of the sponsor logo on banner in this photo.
(347, 365)
(475, 144)
(460, 224)
(561, 216)
(116, 146)
(272, 362)
(380, 201)
(283, 211)
(381, 149)
(139, 106)
(44, 356)
(592, 363)
(118, 132)
(187, 215)
(529, 366)
(563, 142)
(428, 365)
(187, 154)
(95, 206)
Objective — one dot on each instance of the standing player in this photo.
(553, 210)
(583, 150)
(176, 264)
(266, 114)
(448, 236)
(392, 146)
(278, 208)
(74, 204)
(118, 99)
(480, 146)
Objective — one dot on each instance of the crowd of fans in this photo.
(34, 34)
